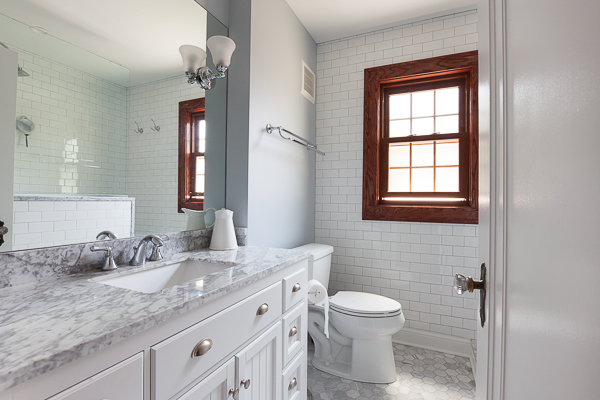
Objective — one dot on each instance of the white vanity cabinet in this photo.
(248, 344)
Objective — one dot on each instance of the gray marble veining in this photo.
(29, 266)
(49, 323)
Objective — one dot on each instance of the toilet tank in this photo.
(319, 262)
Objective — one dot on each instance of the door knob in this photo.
(234, 392)
(462, 284)
(245, 383)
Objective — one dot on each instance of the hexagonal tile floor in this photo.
(422, 374)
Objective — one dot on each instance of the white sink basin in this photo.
(156, 279)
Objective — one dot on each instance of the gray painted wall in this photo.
(218, 8)
(280, 179)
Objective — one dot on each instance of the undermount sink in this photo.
(156, 279)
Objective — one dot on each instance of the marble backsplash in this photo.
(28, 266)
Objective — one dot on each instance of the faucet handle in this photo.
(109, 261)
(156, 254)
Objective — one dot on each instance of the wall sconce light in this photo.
(221, 48)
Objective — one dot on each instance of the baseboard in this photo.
(437, 342)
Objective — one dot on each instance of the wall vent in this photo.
(308, 83)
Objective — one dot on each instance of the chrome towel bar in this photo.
(307, 144)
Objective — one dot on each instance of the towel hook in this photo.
(139, 130)
(156, 127)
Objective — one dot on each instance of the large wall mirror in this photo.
(98, 96)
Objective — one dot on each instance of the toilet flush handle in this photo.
(462, 284)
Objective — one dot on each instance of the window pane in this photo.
(422, 103)
(200, 170)
(422, 180)
(400, 128)
(399, 180)
(446, 101)
(422, 154)
(200, 183)
(400, 106)
(446, 179)
(400, 155)
(446, 153)
(422, 126)
(202, 147)
(447, 124)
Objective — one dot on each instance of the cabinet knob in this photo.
(245, 383)
(235, 392)
(293, 331)
(202, 348)
(296, 288)
(262, 310)
(293, 384)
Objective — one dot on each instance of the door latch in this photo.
(3, 231)
(462, 284)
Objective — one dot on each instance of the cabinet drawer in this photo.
(173, 364)
(294, 332)
(124, 381)
(294, 379)
(294, 288)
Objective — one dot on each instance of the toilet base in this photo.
(363, 367)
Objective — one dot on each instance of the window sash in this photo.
(408, 198)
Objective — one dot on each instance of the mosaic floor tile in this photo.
(422, 375)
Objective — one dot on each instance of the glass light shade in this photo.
(221, 48)
(193, 57)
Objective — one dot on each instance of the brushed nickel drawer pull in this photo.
(234, 392)
(245, 383)
(296, 288)
(293, 331)
(293, 384)
(202, 348)
(262, 310)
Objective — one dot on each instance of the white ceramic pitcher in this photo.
(194, 219)
(223, 236)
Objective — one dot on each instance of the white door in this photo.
(8, 109)
(259, 367)
(216, 386)
(542, 211)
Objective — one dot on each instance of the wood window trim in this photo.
(379, 78)
(187, 110)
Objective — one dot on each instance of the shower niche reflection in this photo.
(97, 160)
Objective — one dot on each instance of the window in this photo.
(420, 141)
(192, 144)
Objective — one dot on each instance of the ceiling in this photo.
(142, 35)
(327, 20)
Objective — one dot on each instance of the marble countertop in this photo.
(48, 324)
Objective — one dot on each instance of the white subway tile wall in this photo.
(153, 156)
(79, 145)
(410, 262)
(55, 223)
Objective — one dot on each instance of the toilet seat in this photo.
(365, 305)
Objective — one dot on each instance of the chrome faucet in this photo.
(106, 235)
(139, 256)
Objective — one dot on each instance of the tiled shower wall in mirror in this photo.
(153, 156)
(79, 145)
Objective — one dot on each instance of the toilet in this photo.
(361, 326)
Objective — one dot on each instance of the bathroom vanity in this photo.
(237, 333)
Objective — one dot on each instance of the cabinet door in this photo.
(216, 386)
(260, 362)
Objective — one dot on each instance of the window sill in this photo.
(433, 214)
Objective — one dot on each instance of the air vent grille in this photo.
(308, 83)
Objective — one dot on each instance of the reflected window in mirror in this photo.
(192, 146)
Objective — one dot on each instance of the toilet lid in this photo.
(364, 303)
